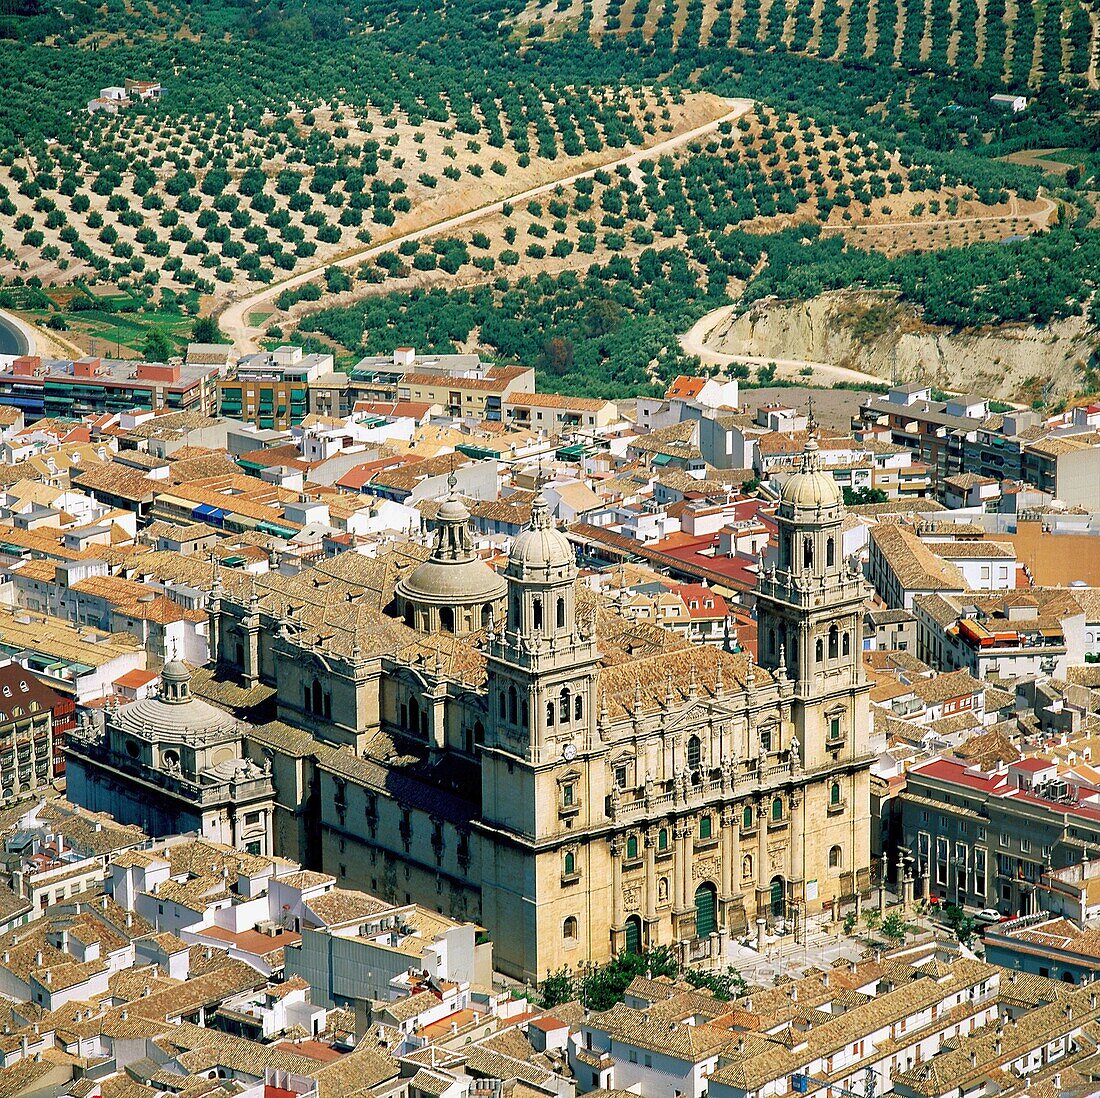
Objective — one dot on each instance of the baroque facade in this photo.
(576, 782)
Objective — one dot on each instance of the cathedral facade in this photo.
(522, 756)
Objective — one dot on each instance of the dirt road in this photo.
(234, 318)
(694, 342)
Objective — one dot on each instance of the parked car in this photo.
(988, 915)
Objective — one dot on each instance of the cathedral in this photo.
(508, 749)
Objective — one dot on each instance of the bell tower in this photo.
(810, 611)
(542, 662)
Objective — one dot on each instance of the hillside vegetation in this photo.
(322, 141)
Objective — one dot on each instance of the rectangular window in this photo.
(1025, 845)
(568, 792)
(1005, 838)
(979, 870)
(941, 860)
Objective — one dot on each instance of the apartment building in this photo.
(1040, 631)
(986, 837)
(43, 387)
(271, 389)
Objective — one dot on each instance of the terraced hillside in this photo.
(1016, 42)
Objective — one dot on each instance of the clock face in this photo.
(569, 752)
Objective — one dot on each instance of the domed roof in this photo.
(454, 572)
(811, 488)
(449, 581)
(540, 547)
(185, 718)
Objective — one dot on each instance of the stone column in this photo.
(685, 855)
(616, 849)
(798, 852)
(678, 835)
(651, 882)
(729, 852)
(763, 888)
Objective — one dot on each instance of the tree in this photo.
(556, 356)
(206, 330)
(725, 984)
(600, 987)
(157, 347)
(895, 927)
(854, 497)
(961, 923)
(558, 987)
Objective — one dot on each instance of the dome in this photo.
(811, 488)
(175, 671)
(540, 547)
(189, 719)
(452, 581)
(453, 574)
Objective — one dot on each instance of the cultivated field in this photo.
(1021, 43)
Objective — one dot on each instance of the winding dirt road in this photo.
(234, 318)
(694, 342)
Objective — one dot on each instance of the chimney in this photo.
(973, 1058)
(125, 1015)
(824, 979)
(38, 958)
(48, 976)
(103, 903)
(997, 1047)
(129, 920)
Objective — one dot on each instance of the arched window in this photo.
(662, 839)
(746, 868)
(704, 827)
(819, 650)
(578, 708)
(830, 552)
(632, 847)
(409, 618)
(777, 808)
(447, 619)
(834, 857)
(479, 732)
(569, 866)
(503, 705)
(569, 929)
(563, 706)
(662, 890)
(414, 715)
(694, 753)
(846, 644)
(807, 552)
(773, 643)
(307, 702)
(746, 816)
(512, 704)
(536, 608)
(316, 696)
(834, 793)
(525, 713)
(550, 708)
(561, 612)
(834, 642)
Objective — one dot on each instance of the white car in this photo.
(988, 915)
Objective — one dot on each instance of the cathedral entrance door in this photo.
(779, 899)
(706, 903)
(634, 934)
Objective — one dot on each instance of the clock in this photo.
(569, 752)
